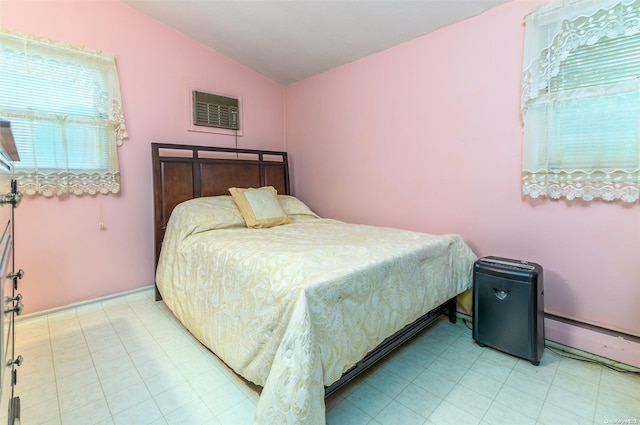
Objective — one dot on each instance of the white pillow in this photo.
(259, 207)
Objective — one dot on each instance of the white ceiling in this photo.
(290, 40)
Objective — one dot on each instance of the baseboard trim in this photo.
(574, 351)
(82, 303)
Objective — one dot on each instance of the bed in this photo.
(298, 308)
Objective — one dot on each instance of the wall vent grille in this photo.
(212, 110)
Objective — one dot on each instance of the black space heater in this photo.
(508, 307)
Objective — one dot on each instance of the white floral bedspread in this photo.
(291, 308)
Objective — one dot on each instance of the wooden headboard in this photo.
(183, 172)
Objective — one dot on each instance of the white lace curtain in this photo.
(65, 109)
(581, 100)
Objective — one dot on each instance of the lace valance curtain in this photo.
(581, 101)
(65, 109)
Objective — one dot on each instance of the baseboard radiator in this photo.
(593, 327)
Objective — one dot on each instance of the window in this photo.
(581, 101)
(65, 111)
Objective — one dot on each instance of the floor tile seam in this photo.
(122, 342)
(223, 411)
(505, 384)
(353, 406)
(499, 404)
(553, 378)
(600, 388)
(423, 365)
(480, 418)
(162, 413)
(576, 392)
(509, 365)
(144, 379)
(95, 366)
(104, 393)
(106, 398)
(156, 340)
(33, 405)
(165, 351)
(457, 381)
(467, 366)
(493, 399)
(549, 383)
(468, 388)
(403, 405)
(113, 415)
(614, 387)
(23, 372)
(419, 371)
(426, 388)
(85, 333)
(128, 353)
(436, 340)
(409, 407)
(110, 415)
(468, 343)
(571, 374)
(383, 391)
(622, 409)
(583, 361)
(380, 368)
(592, 418)
(61, 413)
(215, 414)
(151, 302)
(54, 371)
(511, 369)
(138, 315)
(555, 374)
(228, 381)
(383, 407)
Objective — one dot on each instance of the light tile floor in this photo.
(127, 361)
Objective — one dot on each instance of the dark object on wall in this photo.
(508, 306)
(7, 143)
(213, 110)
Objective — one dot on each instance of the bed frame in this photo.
(183, 172)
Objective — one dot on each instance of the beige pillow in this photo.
(259, 207)
(293, 206)
(210, 213)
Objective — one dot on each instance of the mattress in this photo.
(292, 307)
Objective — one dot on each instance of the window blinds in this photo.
(581, 102)
(65, 111)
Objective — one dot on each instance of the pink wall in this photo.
(65, 255)
(427, 136)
